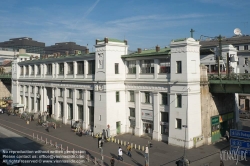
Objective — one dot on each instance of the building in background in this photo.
(31, 46)
(61, 48)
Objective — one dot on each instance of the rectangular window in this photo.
(61, 68)
(27, 70)
(132, 112)
(237, 47)
(61, 109)
(164, 121)
(70, 68)
(132, 117)
(32, 70)
(178, 101)
(80, 67)
(70, 111)
(38, 104)
(26, 89)
(164, 66)
(60, 92)
(70, 93)
(246, 61)
(91, 67)
(38, 70)
(245, 47)
(178, 124)
(117, 95)
(147, 97)
(21, 99)
(21, 88)
(116, 68)
(178, 67)
(32, 104)
(80, 112)
(49, 69)
(132, 96)
(147, 66)
(164, 98)
(21, 70)
(80, 94)
(32, 89)
(131, 67)
(91, 95)
(164, 117)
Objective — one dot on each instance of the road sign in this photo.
(240, 151)
(240, 134)
(240, 143)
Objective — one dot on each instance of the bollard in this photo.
(33, 136)
(56, 144)
(115, 140)
(118, 141)
(41, 138)
(46, 141)
(50, 142)
(73, 152)
(139, 147)
(61, 147)
(37, 137)
(95, 162)
(131, 145)
(135, 146)
(87, 157)
(142, 148)
(124, 143)
(121, 142)
(55, 125)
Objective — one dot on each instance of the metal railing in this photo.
(231, 76)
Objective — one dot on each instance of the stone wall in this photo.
(5, 90)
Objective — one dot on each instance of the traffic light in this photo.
(100, 143)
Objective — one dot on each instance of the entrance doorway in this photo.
(49, 109)
(246, 104)
(118, 127)
(147, 127)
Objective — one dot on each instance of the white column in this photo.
(74, 69)
(35, 71)
(85, 109)
(45, 99)
(44, 70)
(41, 99)
(35, 98)
(85, 68)
(65, 105)
(56, 110)
(156, 68)
(138, 128)
(29, 98)
(137, 68)
(53, 71)
(75, 111)
(53, 102)
(56, 70)
(156, 113)
(65, 70)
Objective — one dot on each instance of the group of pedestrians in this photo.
(120, 153)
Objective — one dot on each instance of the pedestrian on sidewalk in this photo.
(47, 128)
(221, 163)
(120, 154)
(146, 152)
(112, 161)
(129, 150)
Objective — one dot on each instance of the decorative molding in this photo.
(57, 85)
(146, 87)
(185, 49)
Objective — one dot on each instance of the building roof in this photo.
(152, 52)
(112, 40)
(236, 40)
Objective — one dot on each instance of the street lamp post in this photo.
(184, 155)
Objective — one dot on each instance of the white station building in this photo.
(143, 93)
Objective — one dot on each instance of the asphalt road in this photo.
(26, 148)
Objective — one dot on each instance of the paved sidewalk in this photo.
(161, 154)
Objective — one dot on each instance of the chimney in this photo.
(106, 40)
(126, 42)
(157, 48)
(86, 51)
(67, 53)
(139, 50)
(58, 54)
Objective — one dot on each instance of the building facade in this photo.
(30, 45)
(153, 92)
(61, 48)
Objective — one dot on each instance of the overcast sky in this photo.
(143, 23)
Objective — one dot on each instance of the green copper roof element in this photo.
(178, 40)
(24, 55)
(164, 51)
(113, 40)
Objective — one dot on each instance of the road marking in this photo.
(98, 153)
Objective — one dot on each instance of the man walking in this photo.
(129, 150)
(112, 161)
(120, 154)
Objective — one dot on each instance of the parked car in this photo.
(8, 161)
(244, 115)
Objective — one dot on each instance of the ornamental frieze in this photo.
(146, 87)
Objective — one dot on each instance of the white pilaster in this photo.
(65, 109)
(156, 68)
(41, 99)
(53, 102)
(65, 70)
(137, 68)
(29, 99)
(138, 128)
(56, 103)
(85, 109)
(85, 68)
(156, 132)
(75, 111)
(74, 69)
